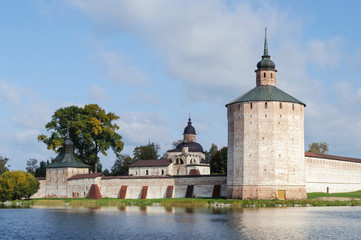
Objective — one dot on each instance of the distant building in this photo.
(187, 158)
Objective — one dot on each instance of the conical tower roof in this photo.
(66, 157)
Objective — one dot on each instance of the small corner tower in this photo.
(266, 140)
(65, 166)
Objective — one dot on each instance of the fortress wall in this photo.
(41, 192)
(157, 186)
(336, 175)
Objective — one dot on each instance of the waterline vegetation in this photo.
(314, 199)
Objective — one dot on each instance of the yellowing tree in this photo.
(321, 148)
(91, 129)
(16, 185)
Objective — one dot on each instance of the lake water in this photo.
(181, 223)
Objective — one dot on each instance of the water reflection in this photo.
(134, 222)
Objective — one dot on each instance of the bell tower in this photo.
(266, 140)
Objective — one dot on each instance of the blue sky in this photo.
(154, 62)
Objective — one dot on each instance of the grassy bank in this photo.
(313, 199)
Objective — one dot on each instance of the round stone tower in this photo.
(266, 140)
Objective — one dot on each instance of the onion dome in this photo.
(189, 129)
(192, 147)
(266, 63)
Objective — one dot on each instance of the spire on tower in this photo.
(265, 51)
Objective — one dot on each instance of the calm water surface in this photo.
(181, 223)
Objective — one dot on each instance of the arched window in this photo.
(181, 161)
(264, 74)
(251, 105)
(146, 172)
(265, 105)
(162, 172)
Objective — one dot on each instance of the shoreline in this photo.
(180, 202)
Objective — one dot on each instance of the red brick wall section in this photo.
(169, 192)
(123, 192)
(144, 192)
(216, 191)
(94, 192)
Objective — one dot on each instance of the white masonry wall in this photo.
(324, 175)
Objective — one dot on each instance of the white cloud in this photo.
(325, 53)
(97, 94)
(11, 94)
(119, 68)
(213, 49)
(138, 128)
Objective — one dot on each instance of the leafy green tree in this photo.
(121, 165)
(212, 149)
(40, 171)
(17, 185)
(219, 161)
(320, 148)
(31, 166)
(106, 172)
(91, 129)
(146, 152)
(4, 164)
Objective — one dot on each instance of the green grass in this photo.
(356, 194)
(312, 200)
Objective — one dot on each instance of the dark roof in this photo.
(189, 129)
(86, 175)
(265, 93)
(151, 163)
(204, 161)
(192, 147)
(66, 157)
(266, 62)
(332, 157)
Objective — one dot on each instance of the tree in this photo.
(212, 149)
(17, 185)
(121, 165)
(219, 161)
(175, 143)
(146, 152)
(40, 171)
(91, 129)
(3, 164)
(31, 166)
(320, 148)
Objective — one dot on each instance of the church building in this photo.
(187, 158)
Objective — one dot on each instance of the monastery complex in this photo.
(266, 158)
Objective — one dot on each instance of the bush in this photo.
(15, 185)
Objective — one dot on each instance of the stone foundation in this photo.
(266, 192)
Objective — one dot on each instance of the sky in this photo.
(153, 63)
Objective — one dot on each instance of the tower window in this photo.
(293, 106)
(271, 75)
(264, 74)
(251, 105)
(280, 105)
(265, 105)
